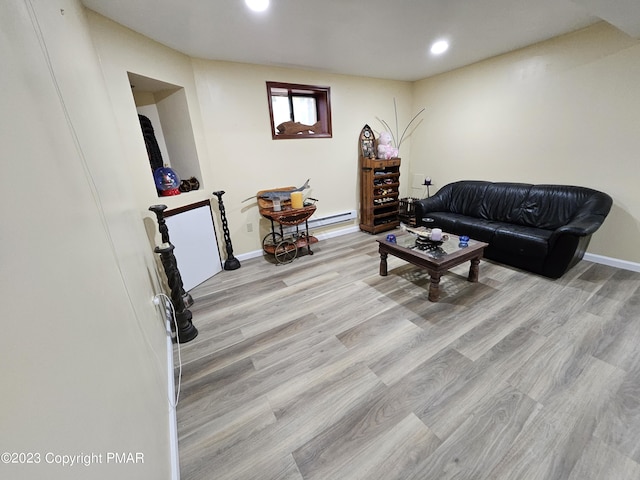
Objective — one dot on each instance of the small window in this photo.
(299, 111)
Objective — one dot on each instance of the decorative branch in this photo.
(409, 124)
(400, 138)
(395, 112)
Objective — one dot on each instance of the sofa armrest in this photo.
(581, 226)
(590, 217)
(426, 205)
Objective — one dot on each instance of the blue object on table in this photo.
(464, 241)
(391, 238)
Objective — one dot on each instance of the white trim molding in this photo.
(612, 262)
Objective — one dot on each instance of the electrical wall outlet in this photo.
(166, 305)
(168, 311)
(249, 227)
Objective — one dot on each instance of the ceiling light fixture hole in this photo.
(439, 47)
(257, 5)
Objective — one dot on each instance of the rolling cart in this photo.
(285, 246)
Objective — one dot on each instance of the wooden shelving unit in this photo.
(379, 194)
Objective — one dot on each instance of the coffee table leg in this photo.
(383, 263)
(434, 287)
(474, 270)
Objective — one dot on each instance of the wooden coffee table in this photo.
(437, 261)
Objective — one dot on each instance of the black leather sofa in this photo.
(543, 229)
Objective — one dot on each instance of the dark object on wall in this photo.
(153, 150)
(164, 234)
(544, 229)
(188, 185)
(231, 263)
(186, 330)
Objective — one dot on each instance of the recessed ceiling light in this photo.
(257, 5)
(439, 47)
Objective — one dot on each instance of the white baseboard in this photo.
(337, 233)
(248, 255)
(612, 262)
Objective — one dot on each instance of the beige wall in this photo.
(229, 110)
(563, 111)
(83, 358)
(245, 159)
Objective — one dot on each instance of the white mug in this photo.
(436, 234)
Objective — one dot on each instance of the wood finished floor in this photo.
(322, 369)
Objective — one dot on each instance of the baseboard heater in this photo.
(326, 220)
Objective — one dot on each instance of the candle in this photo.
(436, 234)
(296, 199)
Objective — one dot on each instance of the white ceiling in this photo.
(373, 38)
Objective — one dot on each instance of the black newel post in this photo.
(231, 263)
(162, 224)
(186, 330)
(164, 233)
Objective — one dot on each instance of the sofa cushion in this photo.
(503, 201)
(464, 198)
(522, 240)
(477, 228)
(457, 224)
(444, 220)
(551, 206)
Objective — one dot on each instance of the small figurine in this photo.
(293, 128)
